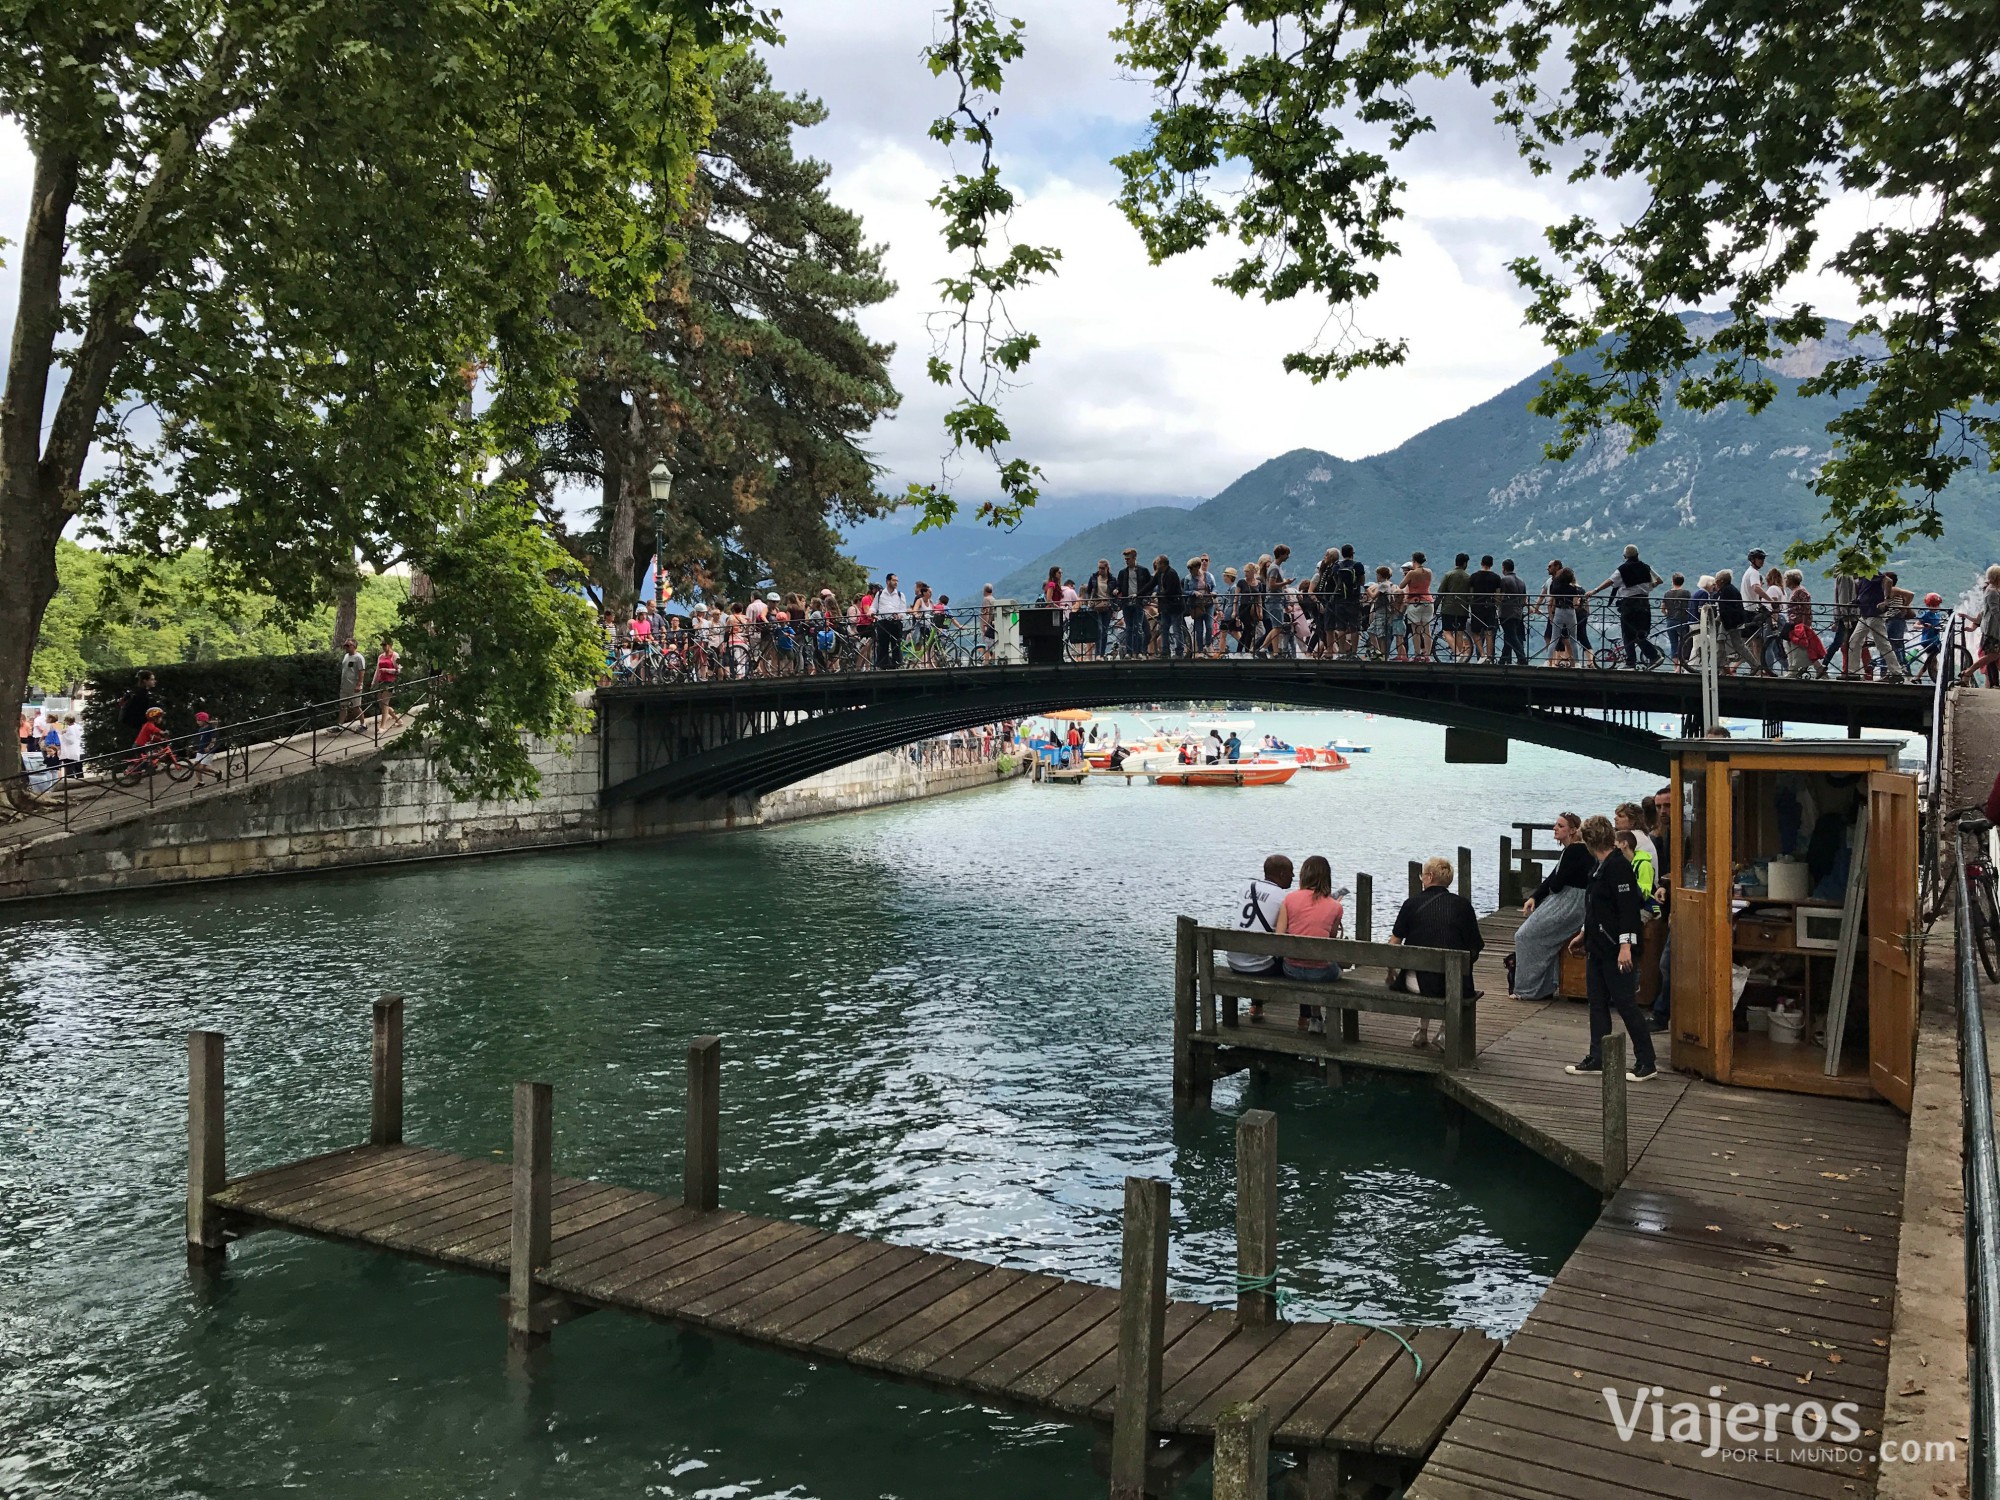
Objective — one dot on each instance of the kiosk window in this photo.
(1693, 851)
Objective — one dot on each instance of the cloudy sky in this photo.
(1150, 380)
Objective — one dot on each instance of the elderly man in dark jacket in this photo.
(1170, 599)
(1437, 917)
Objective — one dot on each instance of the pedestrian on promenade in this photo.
(1168, 599)
(388, 667)
(890, 608)
(1608, 940)
(1436, 917)
(1135, 586)
(1454, 604)
(353, 668)
(1733, 618)
(1419, 606)
(133, 706)
(1677, 608)
(1483, 614)
(72, 746)
(1513, 615)
(1872, 602)
(207, 741)
(1631, 586)
(1201, 603)
(1565, 607)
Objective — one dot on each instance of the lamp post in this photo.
(661, 482)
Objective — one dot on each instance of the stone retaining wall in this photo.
(386, 807)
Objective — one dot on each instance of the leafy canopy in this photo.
(1277, 125)
(294, 260)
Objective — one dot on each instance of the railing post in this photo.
(1612, 1058)
(701, 1164)
(1243, 1452)
(527, 1320)
(385, 1101)
(206, 1170)
(1142, 1315)
(1465, 872)
(1256, 1218)
(1184, 1010)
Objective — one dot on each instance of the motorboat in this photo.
(1348, 747)
(1227, 773)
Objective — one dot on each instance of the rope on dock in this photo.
(1285, 1299)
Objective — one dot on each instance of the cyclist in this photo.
(152, 748)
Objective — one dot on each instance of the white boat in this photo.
(1347, 747)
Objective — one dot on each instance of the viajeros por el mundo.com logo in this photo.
(1796, 1432)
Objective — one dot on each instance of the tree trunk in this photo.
(346, 605)
(619, 429)
(30, 522)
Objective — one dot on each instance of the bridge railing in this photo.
(100, 787)
(1798, 640)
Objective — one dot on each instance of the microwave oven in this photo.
(1818, 927)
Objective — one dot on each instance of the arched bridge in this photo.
(755, 735)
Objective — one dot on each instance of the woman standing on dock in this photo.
(1554, 916)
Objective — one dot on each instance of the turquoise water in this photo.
(946, 1024)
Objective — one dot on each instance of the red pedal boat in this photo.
(1243, 773)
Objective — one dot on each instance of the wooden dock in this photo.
(1749, 1249)
(1352, 1401)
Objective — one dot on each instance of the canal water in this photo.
(946, 1024)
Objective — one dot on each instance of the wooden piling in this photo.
(527, 1323)
(1465, 872)
(1416, 876)
(1364, 907)
(206, 1170)
(1184, 1011)
(1256, 1218)
(1612, 1057)
(701, 1165)
(385, 1104)
(1461, 1017)
(1142, 1315)
(1510, 883)
(1243, 1452)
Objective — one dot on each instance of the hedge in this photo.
(243, 687)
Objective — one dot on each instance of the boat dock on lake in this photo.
(1158, 1378)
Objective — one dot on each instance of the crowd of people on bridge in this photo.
(1600, 901)
(1756, 617)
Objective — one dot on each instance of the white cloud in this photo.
(1150, 379)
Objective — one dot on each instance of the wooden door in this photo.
(1691, 913)
(1893, 935)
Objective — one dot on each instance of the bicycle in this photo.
(145, 762)
(1980, 884)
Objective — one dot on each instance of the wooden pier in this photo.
(1355, 1404)
(1748, 1245)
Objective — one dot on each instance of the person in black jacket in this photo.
(132, 707)
(1172, 605)
(1437, 917)
(1609, 940)
(1135, 586)
(1733, 616)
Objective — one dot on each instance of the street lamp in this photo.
(661, 481)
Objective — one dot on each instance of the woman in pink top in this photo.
(1310, 911)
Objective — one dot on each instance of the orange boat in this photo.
(1322, 758)
(1243, 773)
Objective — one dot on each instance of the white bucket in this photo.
(1787, 879)
(1788, 1027)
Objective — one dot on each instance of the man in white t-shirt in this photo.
(1256, 910)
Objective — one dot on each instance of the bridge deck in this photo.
(1039, 1342)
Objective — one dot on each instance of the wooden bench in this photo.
(1208, 994)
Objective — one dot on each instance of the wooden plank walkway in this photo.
(1021, 1338)
(1752, 1248)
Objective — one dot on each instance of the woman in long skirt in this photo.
(1554, 916)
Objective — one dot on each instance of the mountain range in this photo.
(1713, 485)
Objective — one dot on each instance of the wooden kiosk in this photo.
(1794, 916)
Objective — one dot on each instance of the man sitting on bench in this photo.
(1257, 907)
(1437, 917)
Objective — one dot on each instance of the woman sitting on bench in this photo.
(1311, 911)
